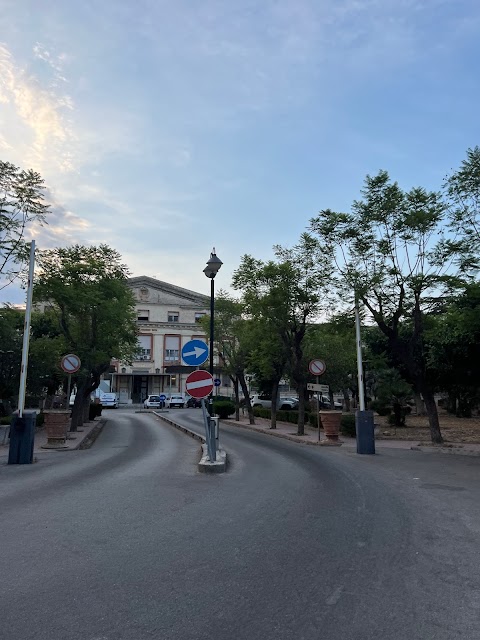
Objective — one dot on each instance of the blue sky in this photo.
(166, 128)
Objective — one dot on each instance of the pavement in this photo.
(75, 441)
(128, 541)
(288, 431)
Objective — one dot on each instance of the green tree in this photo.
(387, 252)
(11, 333)
(87, 288)
(462, 190)
(287, 293)
(22, 196)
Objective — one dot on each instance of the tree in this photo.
(334, 343)
(21, 204)
(288, 294)
(462, 190)
(388, 254)
(454, 351)
(231, 336)
(11, 332)
(89, 295)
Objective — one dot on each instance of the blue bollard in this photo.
(22, 438)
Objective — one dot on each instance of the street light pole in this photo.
(364, 424)
(213, 267)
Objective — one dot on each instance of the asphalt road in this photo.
(127, 541)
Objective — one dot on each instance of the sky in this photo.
(166, 128)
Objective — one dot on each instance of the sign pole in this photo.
(318, 413)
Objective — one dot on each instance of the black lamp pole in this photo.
(212, 320)
(211, 270)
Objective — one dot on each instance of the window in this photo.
(173, 316)
(144, 348)
(199, 315)
(172, 349)
(143, 315)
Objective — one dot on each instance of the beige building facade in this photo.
(167, 318)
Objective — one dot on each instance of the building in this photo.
(167, 316)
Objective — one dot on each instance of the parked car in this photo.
(109, 400)
(152, 402)
(288, 404)
(193, 403)
(176, 400)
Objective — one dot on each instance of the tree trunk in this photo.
(243, 384)
(346, 399)
(419, 404)
(86, 409)
(301, 411)
(237, 398)
(77, 411)
(432, 412)
(273, 423)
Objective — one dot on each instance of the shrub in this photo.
(223, 408)
(380, 407)
(5, 419)
(347, 425)
(40, 419)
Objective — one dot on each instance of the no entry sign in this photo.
(199, 384)
(70, 363)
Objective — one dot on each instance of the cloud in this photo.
(43, 131)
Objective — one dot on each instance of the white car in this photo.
(176, 400)
(152, 402)
(109, 400)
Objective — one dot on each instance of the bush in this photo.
(380, 407)
(5, 419)
(347, 425)
(223, 408)
(40, 419)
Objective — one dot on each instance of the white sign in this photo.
(70, 363)
(317, 367)
(323, 388)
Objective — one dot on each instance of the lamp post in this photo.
(211, 270)
(213, 267)
(364, 424)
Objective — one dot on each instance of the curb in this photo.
(219, 466)
(185, 430)
(457, 450)
(204, 466)
(88, 441)
(273, 432)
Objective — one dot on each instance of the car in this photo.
(176, 400)
(194, 403)
(109, 400)
(288, 403)
(152, 402)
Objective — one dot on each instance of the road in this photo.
(127, 541)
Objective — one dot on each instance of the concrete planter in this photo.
(331, 424)
(56, 427)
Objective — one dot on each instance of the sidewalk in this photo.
(288, 431)
(76, 442)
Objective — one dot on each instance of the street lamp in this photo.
(211, 270)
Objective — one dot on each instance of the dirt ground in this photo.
(453, 429)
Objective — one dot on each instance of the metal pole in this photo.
(361, 395)
(212, 325)
(26, 333)
(318, 412)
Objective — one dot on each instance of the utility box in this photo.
(365, 428)
(22, 438)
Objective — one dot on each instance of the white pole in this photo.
(26, 333)
(361, 396)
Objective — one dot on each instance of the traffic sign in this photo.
(163, 397)
(217, 382)
(317, 367)
(323, 388)
(70, 363)
(199, 384)
(195, 352)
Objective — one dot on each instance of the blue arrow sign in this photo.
(217, 382)
(163, 398)
(194, 353)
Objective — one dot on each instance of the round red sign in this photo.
(199, 384)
